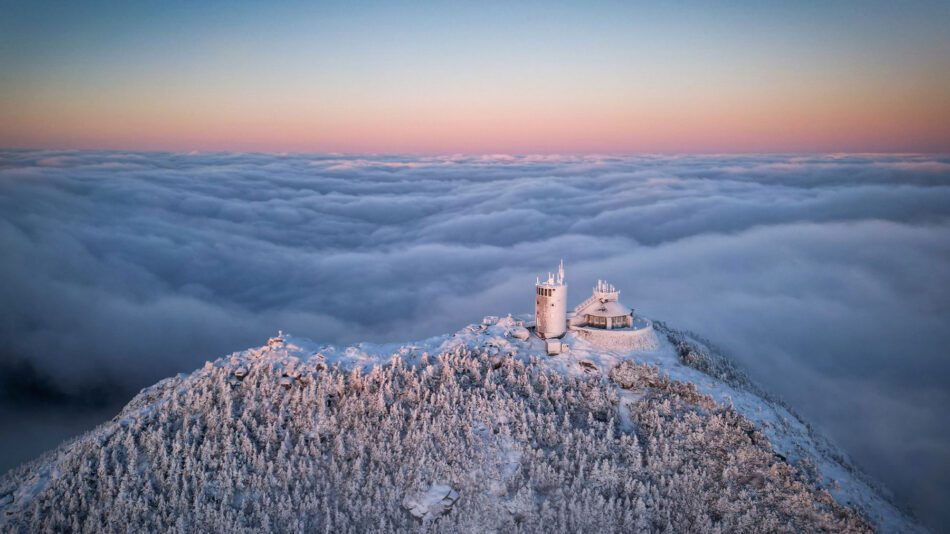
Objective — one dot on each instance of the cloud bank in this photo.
(828, 277)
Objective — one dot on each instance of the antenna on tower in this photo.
(560, 272)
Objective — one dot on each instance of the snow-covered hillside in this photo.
(474, 431)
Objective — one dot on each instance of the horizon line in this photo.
(483, 154)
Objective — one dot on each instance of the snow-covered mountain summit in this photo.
(474, 431)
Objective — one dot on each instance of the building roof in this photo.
(610, 308)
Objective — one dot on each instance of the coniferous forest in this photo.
(463, 441)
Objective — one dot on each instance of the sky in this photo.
(827, 277)
(179, 180)
(476, 77)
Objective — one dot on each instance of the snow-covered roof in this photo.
(606, 309)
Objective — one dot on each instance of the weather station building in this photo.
(603, 309)
(601, 319)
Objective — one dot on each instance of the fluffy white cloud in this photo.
(826, 276)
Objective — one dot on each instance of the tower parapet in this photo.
(605, 292)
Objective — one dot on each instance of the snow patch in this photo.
(435, 501)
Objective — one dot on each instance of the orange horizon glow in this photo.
(572, 81)
(539, 131)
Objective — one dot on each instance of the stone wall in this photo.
(643, 338)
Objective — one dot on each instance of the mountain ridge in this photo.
(288, 388)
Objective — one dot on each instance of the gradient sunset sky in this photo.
(513, 77)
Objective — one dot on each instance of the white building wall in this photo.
(550, 310)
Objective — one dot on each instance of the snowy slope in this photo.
(295, 361)
(788, 434)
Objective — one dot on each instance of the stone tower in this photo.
(550, 305)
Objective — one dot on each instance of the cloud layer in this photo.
(828, 277)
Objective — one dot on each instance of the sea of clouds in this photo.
(827, 277)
